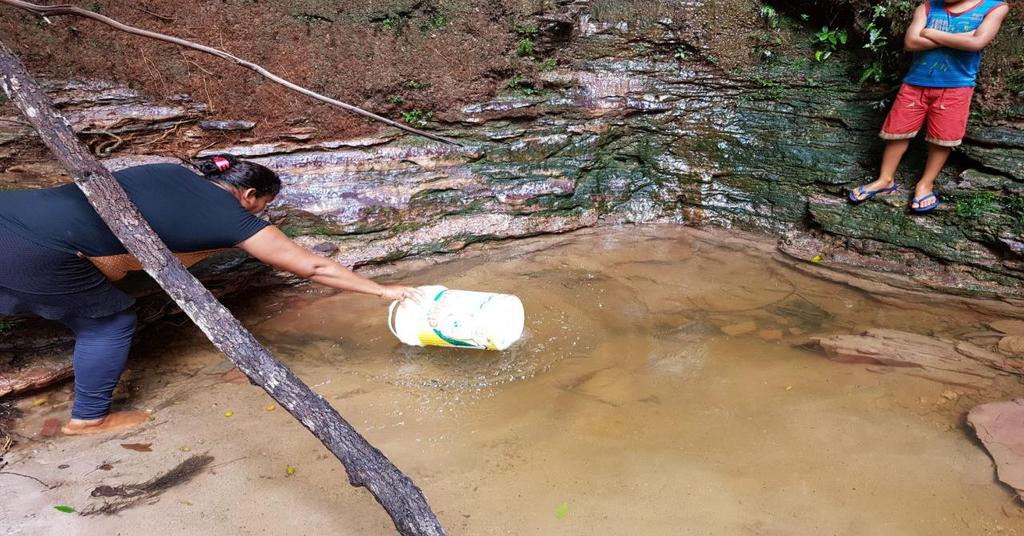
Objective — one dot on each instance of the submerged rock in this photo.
(1000, 428)
(1009, 327)
(959, 363)
(771, 335)
(1012, 345)
(742, 328)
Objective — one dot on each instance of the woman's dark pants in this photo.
(101, 350)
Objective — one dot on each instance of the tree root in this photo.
(129, 495)
(47, 486)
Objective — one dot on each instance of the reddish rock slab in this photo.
(1009, 327)
(1012, 345)
(39, 373)
(234, 376)
(957, 363)
(1000, 427)
(50, 428)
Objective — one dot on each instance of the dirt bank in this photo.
(393, 56)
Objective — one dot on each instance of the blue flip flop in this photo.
(929, 208)
(868, 194)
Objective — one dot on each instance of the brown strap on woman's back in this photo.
(116, 267)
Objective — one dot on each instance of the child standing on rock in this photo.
(946, 37)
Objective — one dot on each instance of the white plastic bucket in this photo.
(458, 319)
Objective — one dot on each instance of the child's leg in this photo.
(947, 124)
(905, 119)
(937, 156)
(894, 151)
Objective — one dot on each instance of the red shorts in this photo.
(945, 109)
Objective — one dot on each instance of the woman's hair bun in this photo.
(228, 169)
(216, 164)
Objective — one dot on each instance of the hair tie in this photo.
(222, 163)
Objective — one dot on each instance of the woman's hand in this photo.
(399, 293)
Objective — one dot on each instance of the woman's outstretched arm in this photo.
(274, 248)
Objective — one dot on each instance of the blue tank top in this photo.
(949, 67)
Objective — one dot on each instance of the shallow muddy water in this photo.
(627, 408)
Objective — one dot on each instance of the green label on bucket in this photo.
(454, 342)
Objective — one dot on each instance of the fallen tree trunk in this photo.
(366, 466)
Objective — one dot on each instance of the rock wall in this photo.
(630, 130)
(635, 123)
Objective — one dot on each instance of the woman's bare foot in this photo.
(114, 422)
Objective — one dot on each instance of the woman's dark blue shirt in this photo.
(57, 257)
(188, 212)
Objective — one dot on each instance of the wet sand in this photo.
(626, 409)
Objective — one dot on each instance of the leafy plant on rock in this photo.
(417, 118)
(524, 48)
(522, 85)
(828, 42)
(434, 22)
(416, 85)
(771, 16)
(527, 39)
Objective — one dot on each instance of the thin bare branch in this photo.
(54, 11)
(47, 486)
